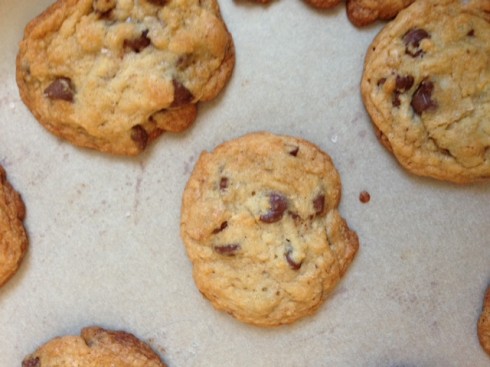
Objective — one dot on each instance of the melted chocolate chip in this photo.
(412, 41)
(227, 250)
(278, 205)
(158, 2)
(292, 264)
(138, 44)
(31, 362)
(61, 88)
(223, 183)
(364, 197)
(319, 204)
(471, 33)
(421, 99)
(182, 95)
(294, 152)
(139, 136)
(222, 227)
(404, 83)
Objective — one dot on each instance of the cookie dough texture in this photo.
(261, 227)
(13, 237)
(426, 86)
(95, 347)
(484, 323)
(112, 75)
(364, 12)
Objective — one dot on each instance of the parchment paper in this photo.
(104, 235)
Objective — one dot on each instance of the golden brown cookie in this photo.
(13, 237)
(364, 12)
(112, 75)
(426, 86)
(95, 347)
(323, 4)
(484, 323)
(261, 227)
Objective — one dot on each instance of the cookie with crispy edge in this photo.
(95, 347)
(113, 75)
(483, 328)
(426, 86)
(364, 12)
(261, 227)
(13, 237)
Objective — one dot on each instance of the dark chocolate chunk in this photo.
(227, 250)
(319, 204)
(31, 362)
(278, 205)
(138, 44)
(294, 151)
(412, 41)
(422, 98)
(61, 88)
(292, 264)
(471, 33)
(223, 183)
(158, 2)
(404, 83)
(139, 136)
(182, 95)
(222, 227)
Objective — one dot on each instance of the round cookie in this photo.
(323, 4)
(262, 230)
(426, 86)
(13, 237)
(364, 12)
(112, 75)
(484, 323)
(95, 347)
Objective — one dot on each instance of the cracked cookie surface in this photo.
(484, 323)
(261, 227)
(364, 12)
(95, 347)
(112, 75)
(426, 86)
(13, 237)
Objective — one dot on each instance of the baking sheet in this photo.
(104, 231)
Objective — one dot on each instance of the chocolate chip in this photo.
(61, 88)
(319, 204)
(404, 83)
(278, 205)
(182, 95)
(294, 152)
(292, 264)
(412, 41)
(222, 227)
(139, 136)
(227, 250)
(158, 2)
(364, 197)
(421, 99)
(223, 183)
(138, 44)
(471, 33)
(31, 362)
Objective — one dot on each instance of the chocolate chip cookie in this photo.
(112, 75)
(13, 237)
(426, 86)
(261, 227)
(484, 323)
(95, 347)
(364, 12)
